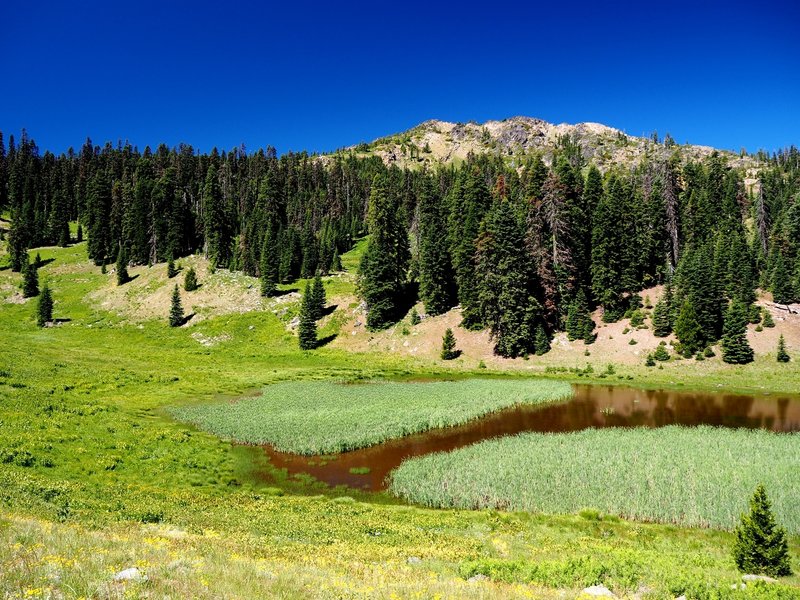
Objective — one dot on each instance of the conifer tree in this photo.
(37, 261)
(580, 325)
(176, 309)
(171, 270)
(767, 320)
(44, 311)
(688, 329)
(415, 320)
(307, 328)
(761, 546)
(505, 282)
(469, 200)
(608, 250)
(436, 278)
(735, 348)
(782, 292)
(449, 351)
(79, 234)
(30, 281)
(385, 262)
(662, 313)
(541, 343)
(190, 280)
(336, 261)
(122, 267)
(269, 265)
(17, 245)
(782, 355)
(318, 297)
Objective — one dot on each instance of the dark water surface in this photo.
(593, 406)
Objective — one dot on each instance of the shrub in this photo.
(415, 320)
(661, 353)
(768, 321)
(176, 309)
(650, 362)
(783, 355)
(761, 545)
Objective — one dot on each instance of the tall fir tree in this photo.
(318, 296)
(385, 262)
(782, 291)
(608, 250)
(449, 351)
(469, 200)
(735, 348)
(307, 328)
(122, 267)
(269, 265)
(663, 312)
(505, 282)
(190, 280)
(688, 329)
(436, 279)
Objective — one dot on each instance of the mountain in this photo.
(442, 142)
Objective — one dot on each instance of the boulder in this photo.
(599, 591)
(131, 574)
(764, 578)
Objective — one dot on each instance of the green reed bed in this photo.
(307, 417)
(699, 476)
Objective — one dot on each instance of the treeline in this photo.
(524, 252)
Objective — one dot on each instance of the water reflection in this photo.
(593, 406)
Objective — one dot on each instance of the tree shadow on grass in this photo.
(45, 261)
(186, 319)
(279, 293)
(129, 279)
(59, 321)
(326, 340)
(329, 310)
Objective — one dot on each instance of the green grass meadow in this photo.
(96, 476)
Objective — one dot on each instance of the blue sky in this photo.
(317, 76)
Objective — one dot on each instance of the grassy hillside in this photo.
(96, 477)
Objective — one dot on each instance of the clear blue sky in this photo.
(317, 76)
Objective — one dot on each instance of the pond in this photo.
(594, 406)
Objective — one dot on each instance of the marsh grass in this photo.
(691, 476)
(308, 417)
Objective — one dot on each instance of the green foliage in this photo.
(318, 299)
(449, 351)
(307, 328)
(176, 309)
(308, 417)
(415, 320)
(735, 348)
(436, 278)
(385, 263)
(767, 320)
(171, 270)
(761, 546)
(541, 343)
(563, 473)
(782, 355)
(190, 280)
(663, 313)
(580, 325)
(122, 267)
(661, 353)
(44, 309)
(30, 280)
(688, 329)
(650, 361)
(782, 290)
(505, 282)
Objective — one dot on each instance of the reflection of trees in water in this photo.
(783, 404)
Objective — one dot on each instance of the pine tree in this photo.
(436, 279)
(782, 292)
(385, 262)
(318, 296)
(761, 546)
(767, 320)
(505, 282)
(122, 267)
(662, 313)
(307, 329)
(171, 270)
(661, 353)
(469, 200)
(449, 351)
(336, 261)
(30, 281)
(79, 234)
(176, 310)
(415, 320)
(608, 250)
(37, 261)
(44, 312)
(541, 342)
(269, 265)
(688, 329)
(190, 280)
(783, 355)
(735, 348)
